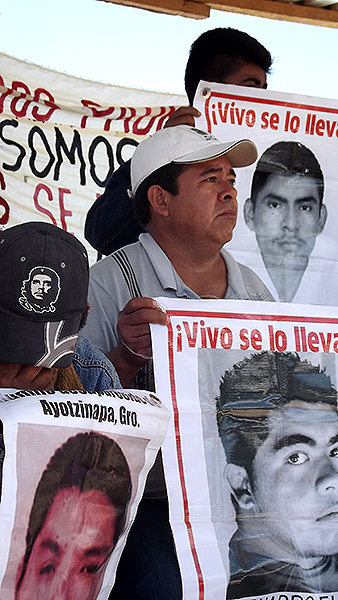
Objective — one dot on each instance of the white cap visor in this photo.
(183, 144)
(240, 154)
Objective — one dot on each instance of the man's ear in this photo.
(240, 485)
(158, 200)
(248, 211)
(322, 218)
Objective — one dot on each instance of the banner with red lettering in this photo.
(251, 454)
(61, 137)
(287, 214)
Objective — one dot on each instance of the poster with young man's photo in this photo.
(73, 468)
(287, 200)
(251, 455)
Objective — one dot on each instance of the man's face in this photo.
(205, 209)
(40, 286)
(295, 479)
(287, 217)
(75, 541)
(248, 75)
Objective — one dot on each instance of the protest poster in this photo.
(286, 229)
(61, 138)
(251, 454)
(74, 467)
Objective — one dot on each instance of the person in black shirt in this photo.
(222, 55)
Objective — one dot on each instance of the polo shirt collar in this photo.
(163, 268)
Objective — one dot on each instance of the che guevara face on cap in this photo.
(43, 294)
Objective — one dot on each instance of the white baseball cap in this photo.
(184, 144)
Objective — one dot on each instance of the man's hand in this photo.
(134, 349)
(25, 377)
(185, 115)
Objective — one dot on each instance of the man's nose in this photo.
(227, 192)
(327, 481)
(63, 586)
(290, 221)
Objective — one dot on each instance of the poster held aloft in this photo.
(73, 473)
(287, 201)
(251, 452)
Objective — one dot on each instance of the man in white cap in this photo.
(183, 186)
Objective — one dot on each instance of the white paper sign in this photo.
(74, 471)
(251, 455)
(287, 216)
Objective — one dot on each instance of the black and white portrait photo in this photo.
(286, 212)
(278, 423)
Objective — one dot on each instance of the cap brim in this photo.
(241, 153)
(49, 344)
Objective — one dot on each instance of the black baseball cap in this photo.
(44, 275)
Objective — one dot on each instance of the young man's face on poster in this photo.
(294, 491)
(286, 216)
(74, 543)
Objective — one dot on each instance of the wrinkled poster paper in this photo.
(251, 455)
(73, 474)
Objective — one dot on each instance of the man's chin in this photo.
(319, 542)
(286, 257)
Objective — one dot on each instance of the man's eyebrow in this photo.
(308, 199)
(333, 440)
(51, 545)
(97, 551)
(291, 440)
(272, 196)
(210, 170)
(254, 80)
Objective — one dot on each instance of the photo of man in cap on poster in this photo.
(278, 423)
(287, 214)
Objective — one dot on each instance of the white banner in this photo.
(251, 452)
(74, 467)
(286, 230)
(61, 138)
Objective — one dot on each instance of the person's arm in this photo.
(122, 335)
(110, 222)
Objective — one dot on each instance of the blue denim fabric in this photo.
(93, 368)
